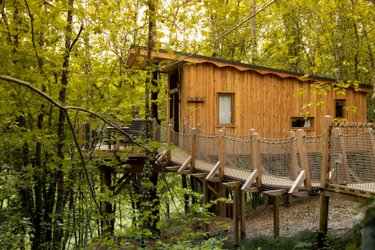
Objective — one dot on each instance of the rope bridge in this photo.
(256, 162)
(351, 164)
(346, 152)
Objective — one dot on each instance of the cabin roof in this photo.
(169, 60)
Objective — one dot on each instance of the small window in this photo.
(339, 108)
(226, 104)
(300, 122)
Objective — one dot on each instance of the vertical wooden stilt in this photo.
(107, 222)
(186, 196)
(193, 186)
(205, 201)
(276, 218)
(323, 220)
(243, 214)
(236, 215)
(324, 182)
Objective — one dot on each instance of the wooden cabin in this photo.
(212, 94)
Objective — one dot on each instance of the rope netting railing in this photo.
(278, 161)
(182, 140)
(238, 152)
(161, 133)
(107, 137)
(352, 156)
(181, 143)
(314, 151)
(207, 147)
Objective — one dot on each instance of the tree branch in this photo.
(76, 39)
(59, 105)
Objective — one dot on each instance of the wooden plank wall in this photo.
(263, 102)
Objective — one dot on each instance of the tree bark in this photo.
(60, 201)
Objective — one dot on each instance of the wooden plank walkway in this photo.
(178, 157)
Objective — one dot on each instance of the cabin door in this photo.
(174, 99)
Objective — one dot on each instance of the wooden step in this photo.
(215, 179)
(199, 175)
(232, 184)
(172, 168)
(275, 193)
(301, 194)
(185, 172)
(251, 190)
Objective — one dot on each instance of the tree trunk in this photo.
(58, 228)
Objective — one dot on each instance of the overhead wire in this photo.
(252, 15)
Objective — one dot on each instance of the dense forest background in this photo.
(75, 51)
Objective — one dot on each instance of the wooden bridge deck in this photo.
(178, 157)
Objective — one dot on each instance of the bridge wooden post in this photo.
(193, 148)
(221, 156)
(294, 164)
(324, 182)
(256, 158)
(169, 141)
(221, 152)
(301, 149)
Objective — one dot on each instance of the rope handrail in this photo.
(352, 124)
(276, 141)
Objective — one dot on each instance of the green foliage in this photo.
(211, 243)
(331, 38)
(303, 240)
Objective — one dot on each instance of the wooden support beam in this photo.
(276, 217)
(298, 182)
(301, 149)
(213, 171)
(249, 182)
(161, 156)
(233, 184)
(243, 214)
(185, 165)
(273, 193)
(323, 219)
(346, 195)
(172, 168)
(324, 181)
(205, 201)
(200, 176)
(236, 213)
(301, 194)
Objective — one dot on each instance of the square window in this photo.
(339, 108)
(300, 122)
(226, 107)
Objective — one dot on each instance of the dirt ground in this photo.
(303, 214)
